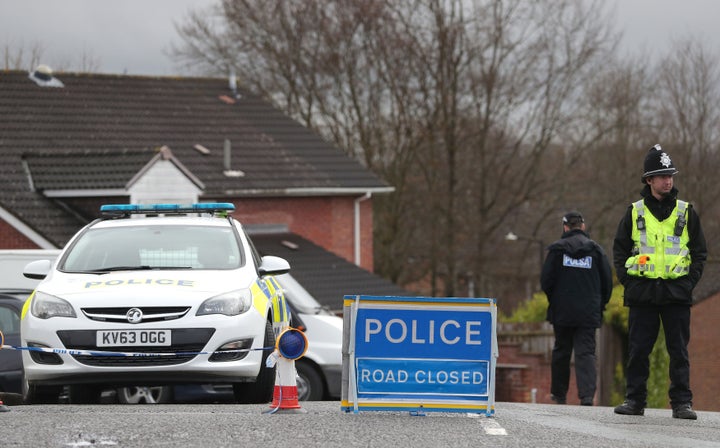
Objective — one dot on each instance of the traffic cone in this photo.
(291, 345)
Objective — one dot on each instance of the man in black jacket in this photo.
(577, 280)
(659, 254)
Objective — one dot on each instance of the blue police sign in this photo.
(420, 354)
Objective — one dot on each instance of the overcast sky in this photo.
(133, 36)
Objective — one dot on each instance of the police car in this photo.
(153, 295)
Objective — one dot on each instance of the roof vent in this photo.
(201, 149)
(228, 171)
(232, 82)
(43, 76)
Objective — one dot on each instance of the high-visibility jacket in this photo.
(661, 247)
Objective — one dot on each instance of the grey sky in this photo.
(132, 36)
(124, 36)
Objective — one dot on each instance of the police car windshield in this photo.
(100, 250)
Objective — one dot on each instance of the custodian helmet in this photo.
(658, 163)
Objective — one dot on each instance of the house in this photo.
(71, 142)
(704, 337)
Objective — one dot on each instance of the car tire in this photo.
(145, 395)
(84, 394)
(33, 394)
(310, 384)
(260, 391)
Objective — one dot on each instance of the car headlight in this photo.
(45, 306)
(230, 304)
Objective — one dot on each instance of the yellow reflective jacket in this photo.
(660, 249)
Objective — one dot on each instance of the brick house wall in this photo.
(327, 222)
(704, 354)
(525, 377)
(11, 238)
(523, 364)
(523, 370)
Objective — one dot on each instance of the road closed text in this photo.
(421, 376)
(426, 376)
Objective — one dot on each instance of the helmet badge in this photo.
(665, 160)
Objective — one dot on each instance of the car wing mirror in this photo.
(37, 270)
(272, 265)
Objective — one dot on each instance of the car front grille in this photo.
(149, 313)
(185, 342)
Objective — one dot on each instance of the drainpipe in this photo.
(364, 197)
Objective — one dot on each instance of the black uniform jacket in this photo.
(641, 291)
(577, 280)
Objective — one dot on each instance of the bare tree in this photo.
(688, 114)
(20, 57)
(457, 104)
(608, 142)
(687, 119)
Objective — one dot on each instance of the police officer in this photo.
(577, 280)
(659, 253)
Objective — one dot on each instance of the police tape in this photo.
(74, 352)
(65, 351)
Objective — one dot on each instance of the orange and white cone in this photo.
(291, 345)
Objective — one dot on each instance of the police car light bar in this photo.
(126, 209)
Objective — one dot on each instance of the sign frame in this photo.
(419, 354)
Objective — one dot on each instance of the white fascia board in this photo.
(25, 230)
(308, 191)
(85, 193)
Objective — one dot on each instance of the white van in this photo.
(320, 370)
(12, 264)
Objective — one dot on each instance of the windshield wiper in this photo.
(105, 270)
(134, 268)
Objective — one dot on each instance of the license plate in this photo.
(134, 338)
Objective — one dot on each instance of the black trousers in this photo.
(644, 326)
(581, 340)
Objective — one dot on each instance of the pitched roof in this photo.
(94, 170)
(323, 274)
(100, 121)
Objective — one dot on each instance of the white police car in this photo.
(153, 295)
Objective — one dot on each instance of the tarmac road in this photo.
(325, 424)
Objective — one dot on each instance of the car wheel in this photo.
(145, 395)
(84, 394)
(261, 391)
(310, 384)
(33, 394)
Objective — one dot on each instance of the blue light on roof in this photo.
(119, 207)
(214, 206)
(163, 207)
(204, 207)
